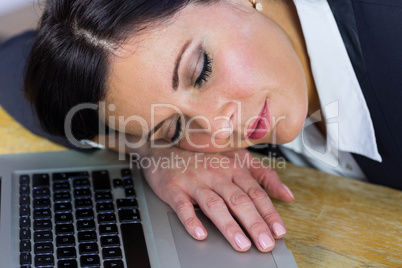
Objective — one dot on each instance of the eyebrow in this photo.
(175, 78)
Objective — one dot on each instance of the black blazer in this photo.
(372, 33)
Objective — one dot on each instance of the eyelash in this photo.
(204, 75)
(206, 71)
(177, 133)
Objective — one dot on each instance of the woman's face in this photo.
(227, 70)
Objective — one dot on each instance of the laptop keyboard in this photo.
(80, 219)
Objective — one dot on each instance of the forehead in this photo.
(149, 56)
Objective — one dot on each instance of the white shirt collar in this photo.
(348, 121)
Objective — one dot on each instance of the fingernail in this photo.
(278, 229)
(265, 241)
(199, 232)
(288, 190)
(242, 241)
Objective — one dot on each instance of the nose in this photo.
(219, 123)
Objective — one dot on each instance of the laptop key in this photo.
(81, 183)
(41, 193)
(81, 214)
(25, 258)
(113, 264)
(126, 173)
(129, 215)
(24, 179)
(24, 200)
(24, 189)
(135, 249)
(103, 197)
(41, 203)
(117, 183)
(130, 193)
(65, 241)
(61, 197)
(88, 248)
(86, 225)
(62, 207)
(42, 225)
(108, 229)
(83, 203)
(109, 241)
(66, 253)
(63, 218)
(44, 260)
(61, 186)
(40, 180)
(43, 236)
(128, 183)
(100, 180)
(25, 234)
(105, 207)
(42, 214)
(25, 211)
(89, 236)
(126, 203)
(67, 264)
(106, 218)
(56, 177)
(111, 253)
(25, 222)
(25, 246)
(64, 176)
(82, 193)
(43, 248)
(62, 229)
(90, 260)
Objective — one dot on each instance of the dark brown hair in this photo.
(69, 61)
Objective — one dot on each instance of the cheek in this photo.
(289, 108)
(236, 73)
(288, 91)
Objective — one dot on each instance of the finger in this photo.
(247, 214)
(268, 178)
(263, 204)
(271, 182)
(216, 210)
(182, 205)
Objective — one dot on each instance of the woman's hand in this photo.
(222, 187)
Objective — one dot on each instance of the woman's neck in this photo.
(284, 13)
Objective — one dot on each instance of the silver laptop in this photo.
(70, 209)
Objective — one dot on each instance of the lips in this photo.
(260, 126)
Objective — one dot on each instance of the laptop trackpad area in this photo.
(214, 251)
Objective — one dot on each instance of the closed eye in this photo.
(205, 72)
(178, 132)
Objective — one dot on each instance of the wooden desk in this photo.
(16, 139)
(339, 222)
(334, 222)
